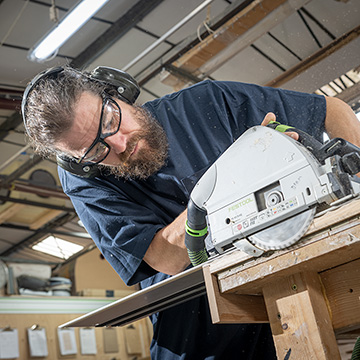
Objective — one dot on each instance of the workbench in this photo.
(310, 292)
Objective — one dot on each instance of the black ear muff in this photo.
(86, 170)
(125, 85)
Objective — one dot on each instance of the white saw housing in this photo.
(262, 179)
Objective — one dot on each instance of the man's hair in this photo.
(50, 107)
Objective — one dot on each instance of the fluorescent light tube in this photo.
(72, 22)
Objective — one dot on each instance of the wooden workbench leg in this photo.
(233, 308)
(299, 318)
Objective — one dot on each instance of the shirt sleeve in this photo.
(121, 228)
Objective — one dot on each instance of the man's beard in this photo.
(148, 159)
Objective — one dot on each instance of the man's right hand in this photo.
(272, 117)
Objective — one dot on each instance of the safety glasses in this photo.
(110, 120)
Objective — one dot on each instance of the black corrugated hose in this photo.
(356, 352)
(196, 232)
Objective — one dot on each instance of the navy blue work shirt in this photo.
(122, 216)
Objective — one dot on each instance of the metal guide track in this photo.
(163, 295)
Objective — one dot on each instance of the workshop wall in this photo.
(123, 343)
(92, 275)
(94, 284)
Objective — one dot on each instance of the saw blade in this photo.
(285, 233)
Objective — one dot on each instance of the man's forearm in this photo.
(341, 121)
(167, 252)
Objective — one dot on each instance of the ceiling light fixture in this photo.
(48, 46)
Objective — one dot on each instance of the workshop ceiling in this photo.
(303, 45)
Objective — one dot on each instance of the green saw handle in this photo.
(280, 127)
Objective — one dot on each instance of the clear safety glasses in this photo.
(110, 120)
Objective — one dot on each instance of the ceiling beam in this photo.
(21, 170)
(115, 32)
(77, 234)
(38, 234)
(228, 34)
(12, 92)
(351, 96)
(44, 205)
(313, 59)
(9, 104)
(11, 123)
(10, 212)
(35, 189)
(147, 74)
(243, 29)
(253, 25)
(10, 99)
(27, 261)
(44, 219)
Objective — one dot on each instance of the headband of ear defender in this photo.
(125, 85)
(127, 90)
(44, 74)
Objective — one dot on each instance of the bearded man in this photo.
(147, 160)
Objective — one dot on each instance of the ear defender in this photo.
(125, 85)
(127, 89)
(86, 170)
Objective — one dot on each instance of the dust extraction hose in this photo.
(356, 352)
(195, 234)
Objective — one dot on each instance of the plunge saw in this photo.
(265, 189)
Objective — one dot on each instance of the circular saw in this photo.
(265, 189)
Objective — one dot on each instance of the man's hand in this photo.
(271, 117)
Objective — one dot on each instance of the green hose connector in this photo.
(195, 233)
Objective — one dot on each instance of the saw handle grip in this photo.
(305, 139)
(349, 153)
(336, 146)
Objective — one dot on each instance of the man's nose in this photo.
(117, 142)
